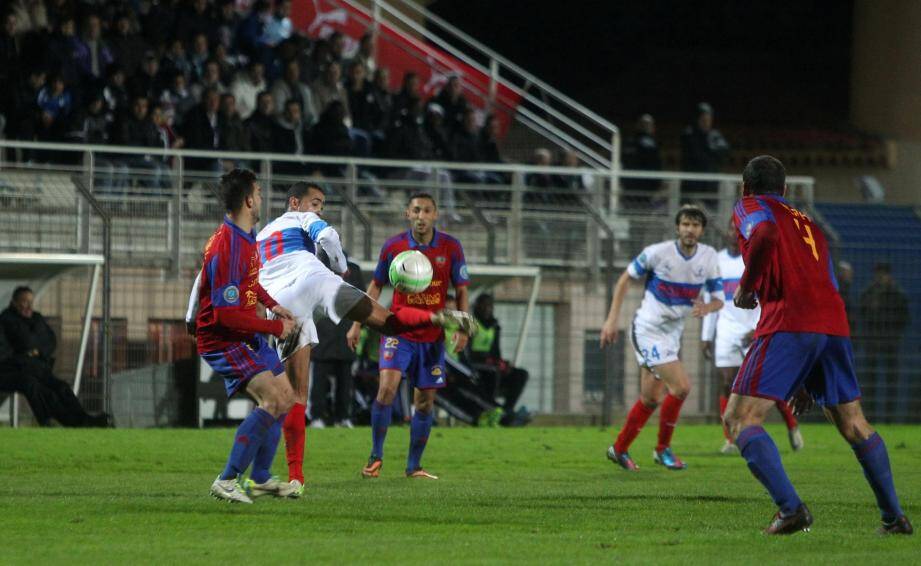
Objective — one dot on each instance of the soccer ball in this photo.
(410, 272)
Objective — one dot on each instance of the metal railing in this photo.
(530, 101)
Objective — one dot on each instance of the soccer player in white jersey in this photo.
(306, 287)
(675, 272)
(734, 330)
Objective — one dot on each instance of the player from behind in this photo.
(802, 348)
(675, 273)
(419, 355)
(229, 336)
(733, 329)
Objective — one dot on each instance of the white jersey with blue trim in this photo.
(730, 319)
(287, 248)
(674, 281)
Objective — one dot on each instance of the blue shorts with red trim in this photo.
(778, 364)
(423, 363)
(240, 362)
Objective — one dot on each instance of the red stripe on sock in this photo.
(668, 419)
(295, 431)
(636, 418)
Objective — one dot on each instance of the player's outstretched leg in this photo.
(745, 416)
(793, 432)
(381, 415)
(676, 381)
(871, 452)
(380, 319)
(420, 428)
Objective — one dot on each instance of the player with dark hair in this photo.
(675, 274)
(420, 354)
(802, 350)
(229, 336)
(291, 272)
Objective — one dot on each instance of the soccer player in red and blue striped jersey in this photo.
(802, 350)
(230, 339)
(419, 355)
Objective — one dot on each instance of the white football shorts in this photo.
(730, 350)
(656, 345)
(315, 294)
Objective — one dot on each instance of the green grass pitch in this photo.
(532, 495)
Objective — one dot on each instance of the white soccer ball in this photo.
(410, 272)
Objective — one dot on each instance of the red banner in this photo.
(402, 53)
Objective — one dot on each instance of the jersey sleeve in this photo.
(192, 310)
(459, 275)
(382, 271)
(224, 278)
(714, 283)
(642, 264)
(749, 213)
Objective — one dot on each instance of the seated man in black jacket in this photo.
(27, 346)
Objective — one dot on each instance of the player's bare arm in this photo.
(610, 331)
(462, 294)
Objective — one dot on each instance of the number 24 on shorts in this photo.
(654, 354)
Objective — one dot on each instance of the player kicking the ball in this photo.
(229, 339)
(734, 330)
(675, 272)
(419, 355)
(291, 272)
(802, 350)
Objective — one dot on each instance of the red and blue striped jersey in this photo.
(797, 289)
(229, 280)
(448, 267)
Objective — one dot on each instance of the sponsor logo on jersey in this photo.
(440, 260)
(388, 355)
(699, 272)
(427, 299)
(251, 298)
(463, 272)
(231, 294)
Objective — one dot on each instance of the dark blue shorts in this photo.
(423, 363)
(777, 365)
(240, 362)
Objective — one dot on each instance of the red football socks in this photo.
(668, 419)
(294, 429)
(406, 319)
(787, 415)
(636, 418)
(723, 402)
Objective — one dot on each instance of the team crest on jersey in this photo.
(699, 272)
(436, 371)
(388, 355)
(463, 272)
(231, 294)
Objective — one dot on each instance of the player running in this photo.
(734, 329)
(420, 354)
(229, 338)
(675, 272)
(291, 272)
(802, 347)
